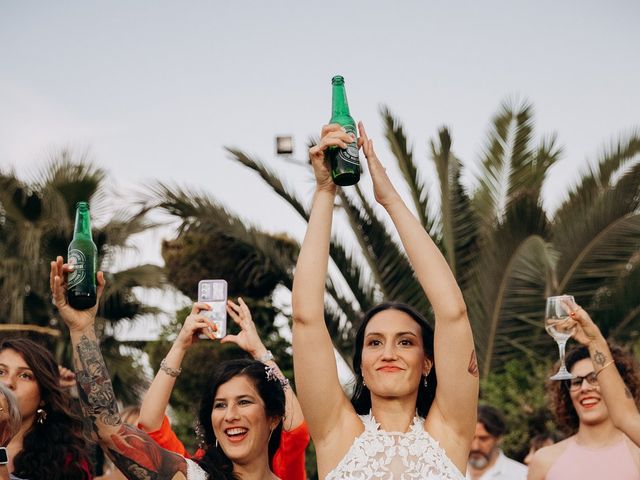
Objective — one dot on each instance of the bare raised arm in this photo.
(455, 361)
(319, 391)
(619, 399)
(132, 450)
(156, 399)
(249, 340)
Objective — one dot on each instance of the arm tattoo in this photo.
(473, 365)
(139, 457)
(132, 450)
(96, 392)
(599, 358)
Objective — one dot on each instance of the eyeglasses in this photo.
(576, 382)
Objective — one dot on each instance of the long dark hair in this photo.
(361, 399)
(214, 460)
(54, 449)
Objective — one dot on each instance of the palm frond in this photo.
(458, 222)
(394, 132)
(599, 239)
(515, 254)
(393, 272)
(616, 308)
(271, 179)
(505, 160)
(620, 153)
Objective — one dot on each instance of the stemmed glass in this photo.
(558, 323)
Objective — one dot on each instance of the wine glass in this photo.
(558, 323)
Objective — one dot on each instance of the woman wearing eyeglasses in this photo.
(590, 406)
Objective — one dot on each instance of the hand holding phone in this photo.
(214, 294)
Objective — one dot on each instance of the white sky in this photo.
(155, 89)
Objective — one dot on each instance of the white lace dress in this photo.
(377, 454)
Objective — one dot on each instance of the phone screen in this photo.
(214, 293)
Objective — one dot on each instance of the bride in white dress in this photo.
(401, 423)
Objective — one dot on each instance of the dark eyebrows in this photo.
(399, 334)
(22, 369)
(239, 397)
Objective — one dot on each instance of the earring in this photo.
(363, 383)
(216, 443)
(41, 416)
(424, 381)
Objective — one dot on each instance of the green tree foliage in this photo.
(36, 225)
(519, 391)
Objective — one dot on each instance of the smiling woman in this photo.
(241, 415)
(395, 357)
(597, 449)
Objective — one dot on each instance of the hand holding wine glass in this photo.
(560, 325)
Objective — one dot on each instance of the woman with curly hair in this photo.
(49, 443)
(598, 448)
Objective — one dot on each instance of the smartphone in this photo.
(214, 293)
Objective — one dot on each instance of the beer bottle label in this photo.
(77, 275)
(350, 154)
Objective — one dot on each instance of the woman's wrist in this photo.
(328, 189)
(260, 353)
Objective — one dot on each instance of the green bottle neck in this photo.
(339, 105)
(83, 222)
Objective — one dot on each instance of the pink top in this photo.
(585, 463)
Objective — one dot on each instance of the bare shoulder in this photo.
(545, 457)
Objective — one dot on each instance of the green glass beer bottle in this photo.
(83, 255)
(344, 162)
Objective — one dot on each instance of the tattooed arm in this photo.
(620, 402)
(132, 451)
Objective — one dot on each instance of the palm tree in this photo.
(507, 251)
(36, 224)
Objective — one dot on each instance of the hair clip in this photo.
(274, 375)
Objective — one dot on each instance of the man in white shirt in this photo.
(486, 460)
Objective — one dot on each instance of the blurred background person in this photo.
(486, 459)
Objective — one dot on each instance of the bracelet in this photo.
(172, 372)
(611, 362)
(267, 357)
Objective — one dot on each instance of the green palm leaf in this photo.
(458, 222)
(271, 179)
(511, 279)
(397, 139)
